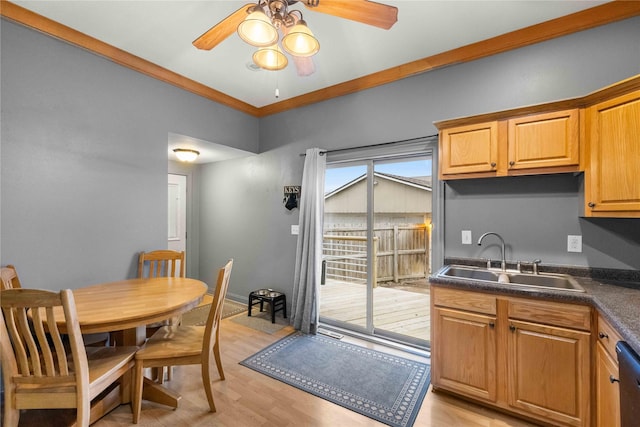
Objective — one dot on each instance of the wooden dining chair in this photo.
(185, 345)
(10, 280)
(40, 371)
(9, 277)
(161, 263)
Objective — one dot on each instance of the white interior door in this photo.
(177, 234)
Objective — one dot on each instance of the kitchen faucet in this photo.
(503, 262)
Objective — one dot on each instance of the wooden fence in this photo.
(401, 252)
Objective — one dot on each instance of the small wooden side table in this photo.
(277, 301)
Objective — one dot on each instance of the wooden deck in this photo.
(397, 310)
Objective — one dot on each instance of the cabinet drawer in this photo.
(608, 336)
(551, 313)
(470, 301)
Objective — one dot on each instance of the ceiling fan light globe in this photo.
(300, 41)
(270, 58)
(257, 30)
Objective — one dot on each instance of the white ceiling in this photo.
(162, 31)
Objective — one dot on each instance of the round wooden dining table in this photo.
(129, 305)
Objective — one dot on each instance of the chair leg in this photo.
(11, 416)
(216, 354)
(206, 382)
(158, 374)
(138, 380)
(83, 411)
(126, 382)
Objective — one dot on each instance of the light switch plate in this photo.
(295, 229)
(574, 243)
(466, 237)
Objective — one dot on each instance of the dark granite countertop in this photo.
(617, 301)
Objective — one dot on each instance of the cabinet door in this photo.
(468, 149)
(613, 176)
(544, 140)
(607, 390)
(464, 353)
(549, 372)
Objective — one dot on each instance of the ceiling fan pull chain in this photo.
(277, 89)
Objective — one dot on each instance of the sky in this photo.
(336, 177)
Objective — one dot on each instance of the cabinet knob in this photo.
(602, 335)
(613, 379)
(591, 205)
(492, 325)
(493, 164)
(511, 163)
(512, 328)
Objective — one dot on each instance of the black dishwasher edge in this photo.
(629, 368)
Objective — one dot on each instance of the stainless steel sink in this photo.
(469, 273)
(512, 278)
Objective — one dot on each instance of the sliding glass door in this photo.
(377, 247)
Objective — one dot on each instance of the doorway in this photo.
(377, 248)
(177, 215)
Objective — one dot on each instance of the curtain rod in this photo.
(373, 145)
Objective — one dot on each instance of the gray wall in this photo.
(535, 214)
(243, 217)
(84, 159)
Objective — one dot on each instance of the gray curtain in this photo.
(304, 307)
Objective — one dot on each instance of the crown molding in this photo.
(589, 18)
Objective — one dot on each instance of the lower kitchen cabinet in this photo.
(526, 356)
(606, 382)
(549, 371)
(462, 334)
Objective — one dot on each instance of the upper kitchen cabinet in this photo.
(469, 149)
(536, 143)
(612, 178)
(544, 141)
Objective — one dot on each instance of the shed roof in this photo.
(423, 182)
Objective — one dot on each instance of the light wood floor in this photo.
(400, 311)
(247, 398)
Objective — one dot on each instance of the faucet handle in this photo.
(534, 264)
(488, 262)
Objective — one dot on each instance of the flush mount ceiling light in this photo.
(186, 154)
(269, 22)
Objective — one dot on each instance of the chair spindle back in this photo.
(161, 263)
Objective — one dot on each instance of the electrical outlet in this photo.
(295, 229)
(466, 237)
(574, 243)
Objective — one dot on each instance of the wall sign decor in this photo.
(291, 196)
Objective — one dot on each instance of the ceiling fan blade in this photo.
(368, 12)
(223, 29)
(304, 65)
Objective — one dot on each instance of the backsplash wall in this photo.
(534, 215)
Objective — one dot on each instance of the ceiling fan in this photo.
(259, 23)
